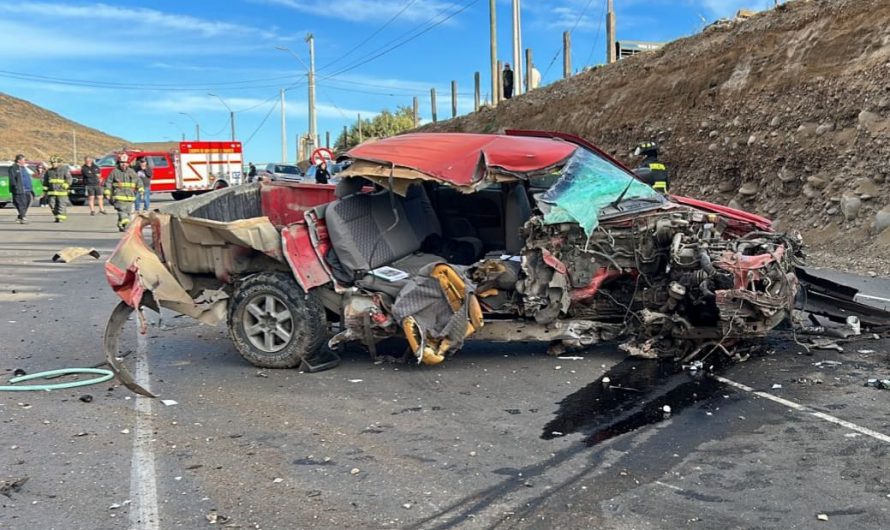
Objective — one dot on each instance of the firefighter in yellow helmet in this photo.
(120, 188)
(651, 171)
(56, 182)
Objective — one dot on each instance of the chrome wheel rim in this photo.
(268, 323)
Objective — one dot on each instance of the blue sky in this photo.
(130, 68)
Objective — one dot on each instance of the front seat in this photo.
(517, 210)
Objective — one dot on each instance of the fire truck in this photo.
(195, 167)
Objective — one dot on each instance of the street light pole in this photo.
(231, 113)
(173, 123)
(197, 125)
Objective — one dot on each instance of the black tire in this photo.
(180, 195)
(3, 205)
(305, 321)
(220, 184)
(78, 202)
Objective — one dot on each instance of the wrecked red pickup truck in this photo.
(438, 238)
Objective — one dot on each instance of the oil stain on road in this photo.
(632, 394)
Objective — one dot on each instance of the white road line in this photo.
(807, 410)
(143, 484)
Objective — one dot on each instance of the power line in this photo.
(368, 58)
(371, 36)
(581, 16)
(143, 86)
(260, 126)
(596, 37)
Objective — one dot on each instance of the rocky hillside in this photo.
(39, 133)
(786, 114)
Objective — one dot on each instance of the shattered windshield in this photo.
(587, 185)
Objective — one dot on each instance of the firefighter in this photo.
(56, 182)
(120, 188)
(651, 171)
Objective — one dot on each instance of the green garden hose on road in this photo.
(104, 375)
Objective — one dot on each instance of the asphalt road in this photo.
(501, 436)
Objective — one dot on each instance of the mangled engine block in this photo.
(678, 276)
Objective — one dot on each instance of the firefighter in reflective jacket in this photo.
(651, 171)
(121, 187)
(56, 182)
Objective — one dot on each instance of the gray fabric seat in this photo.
(371, 230)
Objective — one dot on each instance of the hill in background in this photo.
(786, 114)
(39, 133)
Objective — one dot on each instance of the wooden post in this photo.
(477, 94)
(495, 65)
(611, 53)
(528, 69)
(566, 55)
(360, 137)
(433, 104)
(500, 93)
(454, 99)
(345, 137)
(416, 113)
(327, 139)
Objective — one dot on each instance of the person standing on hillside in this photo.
(120, 187)
(90, 173)
(21, 187)
(508, 81)
(56, 182)
(143, 175)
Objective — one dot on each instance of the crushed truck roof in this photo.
(456, 158)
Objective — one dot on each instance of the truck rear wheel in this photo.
(179, 195)
(273, 323)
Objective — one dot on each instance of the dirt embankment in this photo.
(39, 133)
(786, 114)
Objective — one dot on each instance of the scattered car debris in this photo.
(214, 517)
(11, 485)
(169, 402)
(882, 384)
(830, 364)
(86, 398)
(69, 254)
(822, 517)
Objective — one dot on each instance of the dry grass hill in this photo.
(39, 133)
(786, 114)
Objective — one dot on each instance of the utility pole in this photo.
(454, 99)
(74, 141)
(495, 65)
(517, 51)
(361, 138)
(416, 112)
(327, 139)
(433, 104)
(477, 93)
(528, 69)
(313, 126)
(566, 55)
(611, 55)
(284, 132)
(345, 137)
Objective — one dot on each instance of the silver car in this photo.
(283, 172)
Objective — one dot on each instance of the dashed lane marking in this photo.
(143, 483)
(806, 410)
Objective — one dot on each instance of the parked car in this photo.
(77, 193)
(284, 172)
(435, 238)
(6, 194)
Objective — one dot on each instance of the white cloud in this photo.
(370, 10)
